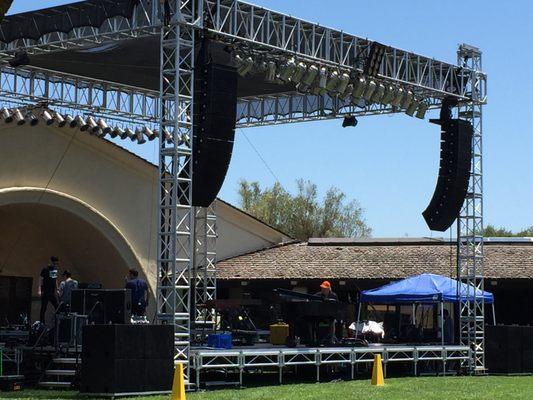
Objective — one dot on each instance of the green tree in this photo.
(302, 215)
(492, 231)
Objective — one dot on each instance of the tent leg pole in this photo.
(414, 314)
(493, 314)
(442, 321)
(358, 319)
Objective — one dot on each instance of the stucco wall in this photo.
(97, 186)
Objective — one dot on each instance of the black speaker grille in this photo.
(454, 174)
(215, 113)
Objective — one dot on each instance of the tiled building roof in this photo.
(378, 259)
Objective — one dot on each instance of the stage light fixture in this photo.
(5, 115)
(167, 136)
(128, 133)
(244, 65)
(422, 109)
(139, 136)
(346, 93)
(407, 99)
(398, 97)
(46, 116)
(319, 86)
(332, 83)
(92, 126)
(271, 71)
(388, 97)
(344, 81)
(412, 108)
(378, 93)
(359, 87)
(78, 122)
(18, 117)
(69, 120)
(349, 120)
(59, 120)
(104, 127)
(116, 131)
(260, 66)
(369, 91)
(123, 133)
(149, 133)
(287, 70)
(310, 75)
(299, 72)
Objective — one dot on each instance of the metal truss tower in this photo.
(204, 268)
(176, 245)
(470, 221)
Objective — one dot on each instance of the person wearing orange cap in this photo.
(328, 295)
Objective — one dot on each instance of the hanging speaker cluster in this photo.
(215, 113)
(454, 171)
(375, 57)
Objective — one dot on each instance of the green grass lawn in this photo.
(452, 388)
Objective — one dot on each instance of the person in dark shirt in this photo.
(327, 295)
(139, 293)
(449, 333)
(48, 286)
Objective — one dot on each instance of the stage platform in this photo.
(280, 357)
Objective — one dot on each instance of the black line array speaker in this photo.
(509, 349)
(127, 359)
(454, 174)
(215, 111)
(103, 306)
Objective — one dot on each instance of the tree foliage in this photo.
(302, 215)
(492, 231)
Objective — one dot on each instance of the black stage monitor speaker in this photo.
(103, 306)
(215, 111)
(454, 174)
(15, 299)
(127, 358)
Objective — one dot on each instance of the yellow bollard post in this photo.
(178, 386)
(377, 372)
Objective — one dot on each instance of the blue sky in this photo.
(390, 163)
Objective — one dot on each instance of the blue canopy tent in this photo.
(425, 289)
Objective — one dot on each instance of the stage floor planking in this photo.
(279, 357)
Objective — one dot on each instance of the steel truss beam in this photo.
(289, 36)
(71, 93)
(176, 245)
(144, 22)
(283, 35)
(290, 108)
(470, 223)
(204, 268)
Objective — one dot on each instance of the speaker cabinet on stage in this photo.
(454, 174)
(103, 306)
(215, 113)
(509, 349)
(127, 359)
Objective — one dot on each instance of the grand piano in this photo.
(303, 312)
